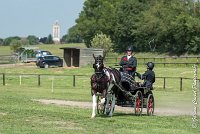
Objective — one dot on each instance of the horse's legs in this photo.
(94, 104)
(108, 98)
(103, 97)
(112, 105)
(107, 104)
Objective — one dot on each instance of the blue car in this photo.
(49, 61)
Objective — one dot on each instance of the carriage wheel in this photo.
(138, 103)
(150, 105)
(100, 107)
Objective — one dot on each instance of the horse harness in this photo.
(99, 81)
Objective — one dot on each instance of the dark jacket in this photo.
(148, 77)
(130, 64)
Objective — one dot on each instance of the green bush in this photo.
(102, 41)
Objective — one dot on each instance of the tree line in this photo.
(165, 26)
(29, 40)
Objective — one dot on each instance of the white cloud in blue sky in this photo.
(36, 17)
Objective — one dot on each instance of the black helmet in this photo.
(129, 48)
(150, 65)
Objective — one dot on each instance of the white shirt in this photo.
(128, 57)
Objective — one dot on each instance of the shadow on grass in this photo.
(122, 114)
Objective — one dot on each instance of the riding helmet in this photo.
(129, 48)
(150, 65)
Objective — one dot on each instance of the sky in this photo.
(36, 17)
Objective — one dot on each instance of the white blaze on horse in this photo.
(104, 81)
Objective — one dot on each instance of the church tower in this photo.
(56, 32)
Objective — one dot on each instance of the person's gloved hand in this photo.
(125, 62)
(125, 66)
(136, 73)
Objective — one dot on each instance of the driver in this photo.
(128, 62)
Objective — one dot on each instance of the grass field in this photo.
(55, 48)
(19, 114)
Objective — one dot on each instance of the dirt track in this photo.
(158, 110)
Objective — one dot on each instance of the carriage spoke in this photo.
(138, 104)
(150, 105)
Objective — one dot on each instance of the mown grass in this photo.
(5, 50)
(53, 48)
(20, 114)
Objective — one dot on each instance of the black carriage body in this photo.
(126, 97)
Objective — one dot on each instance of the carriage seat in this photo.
(141, 86)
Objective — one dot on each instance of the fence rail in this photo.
(6, 59)
(160, 63)
(74, 78)
(159, 60)
(154, 58)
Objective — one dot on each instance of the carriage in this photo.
(125, 93)
(131, 94)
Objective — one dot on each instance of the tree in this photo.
(102, 41)
(33, 40)
(72, 36)
(97, 16)
(170, 26)
(8, 40)
(43, 40)
(15, 45)
(49, 39)
(1, 42)
(64, 39)
(127, 18)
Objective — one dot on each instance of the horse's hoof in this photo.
(93, 116)
(110, 114)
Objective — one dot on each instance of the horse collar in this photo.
(99, 75)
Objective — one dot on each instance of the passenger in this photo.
(128, 62)
(148, 76)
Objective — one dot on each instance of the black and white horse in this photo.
(104, 81)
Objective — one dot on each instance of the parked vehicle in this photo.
(40, 53)
(49, 61)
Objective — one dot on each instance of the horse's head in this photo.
(98, 64)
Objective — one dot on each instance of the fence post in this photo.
(4, 81)
(38, 80)
(164, 83)
(20, 80)
(74, 80)
(52, 84)
(181, 84)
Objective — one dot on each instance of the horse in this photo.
(104, 81)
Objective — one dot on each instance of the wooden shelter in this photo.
(78, 57)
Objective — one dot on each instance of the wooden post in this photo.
(74, 80)
(4, 81)
(164, 83)
(20, 80)
(38, 80)
(181, 84)
(52, 84)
